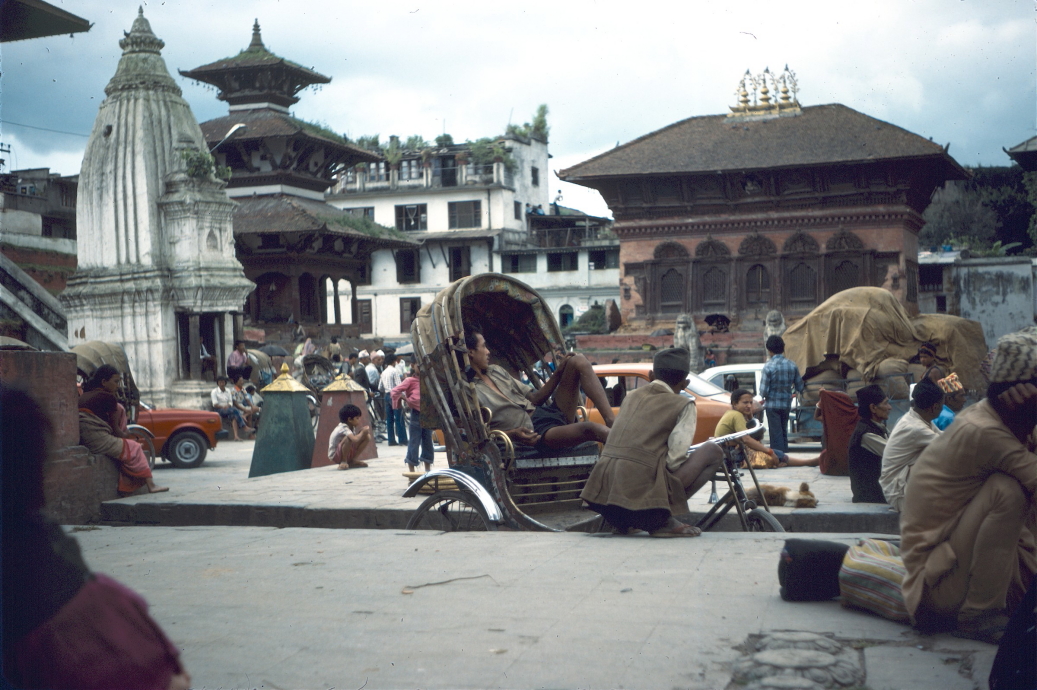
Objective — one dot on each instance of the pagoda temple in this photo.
(770, 206)
(289, 240)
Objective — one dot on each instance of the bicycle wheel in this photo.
(451, 511)
(761, 521)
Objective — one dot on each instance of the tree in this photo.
(958, 214)
(537, 129)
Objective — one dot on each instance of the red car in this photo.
(183, 437)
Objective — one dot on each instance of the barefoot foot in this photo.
(157, 489)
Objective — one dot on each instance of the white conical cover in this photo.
(137, 139)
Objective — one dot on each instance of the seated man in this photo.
(223, 403)
(912, 434)
(867, 444)
(645, 473)
(968, 522)
(531, 417)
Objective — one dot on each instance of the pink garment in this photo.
(120, 421)
(410, 390)
(133, 466)
(237, 359)
(102, 639)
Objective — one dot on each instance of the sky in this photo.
(963, 72)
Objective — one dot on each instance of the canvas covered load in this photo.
(866, 326)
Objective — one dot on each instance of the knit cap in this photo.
(1015, 357)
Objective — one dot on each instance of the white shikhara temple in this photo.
(157, 270)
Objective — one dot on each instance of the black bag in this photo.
(808, 569)
(1015, 666)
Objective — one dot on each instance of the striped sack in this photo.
(870, 579)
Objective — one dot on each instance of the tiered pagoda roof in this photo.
(255, 75)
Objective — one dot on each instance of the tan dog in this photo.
(777, 496)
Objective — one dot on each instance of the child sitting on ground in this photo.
(737, 419)
(348, 439)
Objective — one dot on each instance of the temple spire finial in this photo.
(257, 39)
(772, 95)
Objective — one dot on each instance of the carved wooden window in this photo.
(757, 285)
(409, 307)
(671, 292)
(363, 316)
(802, 284)
(846, 275)
(408, 266)
(714, 287)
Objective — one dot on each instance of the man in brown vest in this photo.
(645, 473)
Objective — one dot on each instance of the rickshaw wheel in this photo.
(760, 520)
(451, 511)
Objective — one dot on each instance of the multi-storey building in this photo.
(473, 214)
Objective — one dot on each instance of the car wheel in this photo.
(187, 449)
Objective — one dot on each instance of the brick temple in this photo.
(770, 206)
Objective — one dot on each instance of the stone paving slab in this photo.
(254, 607)
(221, 493)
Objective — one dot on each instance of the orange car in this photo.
(711, 402)
(183, 437)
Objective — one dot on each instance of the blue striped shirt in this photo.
(777, 380)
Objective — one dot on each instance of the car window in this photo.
(702, 387)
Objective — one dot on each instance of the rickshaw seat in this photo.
(584, 454)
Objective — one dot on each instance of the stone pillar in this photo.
(239, 325)
(194, 347)
(338, 304)
(355, 314)
(228, 337)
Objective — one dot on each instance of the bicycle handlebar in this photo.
(724, 439)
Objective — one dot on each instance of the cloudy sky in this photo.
(958, 71)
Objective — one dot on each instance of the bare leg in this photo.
(699, 468)
(576, 374)
(428, 466)
(412, 468)
(573, 434)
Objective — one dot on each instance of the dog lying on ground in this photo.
(777, 496)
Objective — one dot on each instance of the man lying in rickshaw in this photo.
(544, 418)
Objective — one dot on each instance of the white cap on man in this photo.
(364, 353)
(379, 354)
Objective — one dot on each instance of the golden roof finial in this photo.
(766, 87)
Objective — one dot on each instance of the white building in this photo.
(473, 216)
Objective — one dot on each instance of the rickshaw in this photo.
(490, 483)
(89, 357)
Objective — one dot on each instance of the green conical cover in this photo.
(285, 439)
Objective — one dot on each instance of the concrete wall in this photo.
(997, 292)
(75, 482)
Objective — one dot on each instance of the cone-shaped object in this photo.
(341, 391)
(285, 439)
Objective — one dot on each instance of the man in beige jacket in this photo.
(645, 474)
(968, 522)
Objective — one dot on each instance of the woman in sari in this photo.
(102, 429)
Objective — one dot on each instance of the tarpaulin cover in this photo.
(864, 326)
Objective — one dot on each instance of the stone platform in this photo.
(220, 493)
(258, 607)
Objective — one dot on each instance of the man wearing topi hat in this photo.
(645, 474)
(968, 522)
